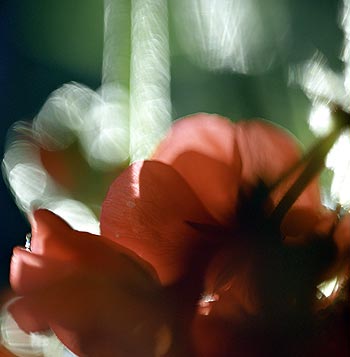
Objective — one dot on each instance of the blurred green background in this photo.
(46, 43)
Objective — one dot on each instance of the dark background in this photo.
(46, 43)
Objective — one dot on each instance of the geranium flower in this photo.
(203, 251)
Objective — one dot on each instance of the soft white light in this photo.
(26, 176)
(116, 49)
(150, 106)
(339, 161)
(63, 116)
(346, 51)
(29, 182)
(232, 35)
(205, 303)
(34, 188)
(320, 82)
(75, 213)
(105, 134)
(320, 120)
(29, 345)
(98, 120)
(328, 287)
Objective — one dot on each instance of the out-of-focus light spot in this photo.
(319, 82)
(105, 133)
(75, 213)
(205, 303)
(62, 115)
(232, 35)
(98, 120)
(29, 182)
(163, 340)
(338, 160)
(346, 51)
(123, 120)
(16, 340)
(320, 119)
(327, 288)
(327, 200)
(34, 188)
(26, 176)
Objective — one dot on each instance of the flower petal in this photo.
(31, 271)
(58, 251)
(60, 241)
(268, 153)
(149, 209)
(94, 316)
(97, 296)
(203, 149)
(68, 166)
(216, 157)
(211, 337)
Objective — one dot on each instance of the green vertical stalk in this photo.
(313, 166)
(150, 106)
(116, 50)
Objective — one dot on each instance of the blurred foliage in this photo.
(69, 34)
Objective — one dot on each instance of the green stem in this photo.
(150, 105)
(314, 164)
(116, 50)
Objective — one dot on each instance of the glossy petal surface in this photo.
(218, 158)
(203, 149)
(268, 153)
(149, 209)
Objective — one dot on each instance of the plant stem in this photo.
(150, 105)
(314, 164)
(116, 50)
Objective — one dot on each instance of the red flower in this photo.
(231, 271)
(95, 295)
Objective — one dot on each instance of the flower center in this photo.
(262, 273)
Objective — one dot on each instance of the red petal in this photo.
(98, 297)
(50, 235)
(203, 149)
(215, 156)
(24, 311)
(57, 165)
(94, 316)
(58, 251)
(147, 210)
(212, 337)
(217, 337)
(268, 153)
(31, 272)
(69, 169)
